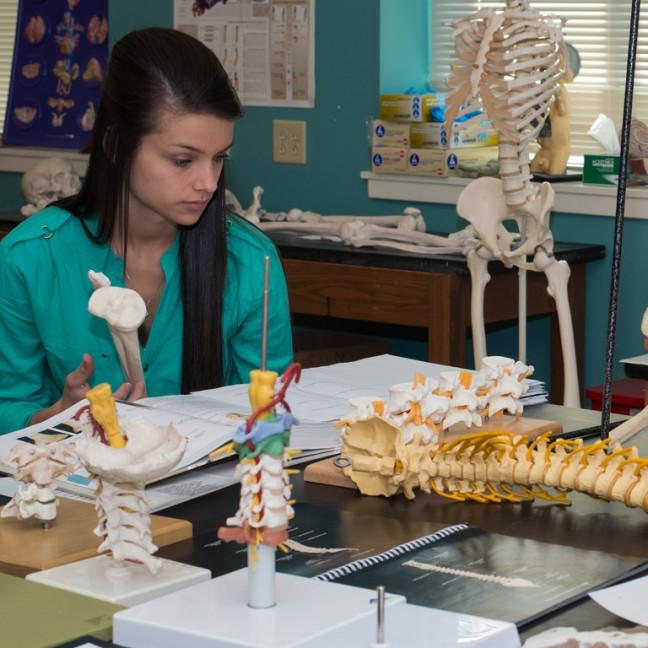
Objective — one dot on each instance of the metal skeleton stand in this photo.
(618, 220)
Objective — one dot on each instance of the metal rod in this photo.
(618, 219)
(264, 324)
(380, 607)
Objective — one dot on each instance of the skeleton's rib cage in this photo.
(510, 63)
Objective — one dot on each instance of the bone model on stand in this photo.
(122, 456)
(37, 467)
(265, 505)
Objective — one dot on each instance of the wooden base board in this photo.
(25, 546)
(325, 472)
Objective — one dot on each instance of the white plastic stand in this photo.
(413, 626)
(216, 615)
(308, 613)
(100, 577)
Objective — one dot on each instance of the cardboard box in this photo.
(447, 162)
(407, 107)
(434, 135)
(384, 133)
(601, 169)
(388, 159)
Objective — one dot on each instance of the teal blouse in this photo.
(45, 326)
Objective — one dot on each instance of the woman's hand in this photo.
(76, 386)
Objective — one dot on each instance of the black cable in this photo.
(618, 219)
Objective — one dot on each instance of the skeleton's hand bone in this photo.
(124, 310)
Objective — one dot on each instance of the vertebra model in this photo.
(123, 457)
(37, 468)
(491, 466)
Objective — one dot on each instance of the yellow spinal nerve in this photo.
(261, 390)
(102, 407)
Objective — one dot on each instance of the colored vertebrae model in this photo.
(123, 456)
(386, 455)
(424, 408)
(265, 507)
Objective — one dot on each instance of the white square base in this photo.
(99, 578)
(414, 626)
(216, 615)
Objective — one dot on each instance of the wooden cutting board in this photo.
(26, 547)
(325, 472)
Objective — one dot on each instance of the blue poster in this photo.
(60, 59)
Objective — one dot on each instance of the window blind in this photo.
(597, 29)
(8, 15)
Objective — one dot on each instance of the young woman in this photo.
(151, 216)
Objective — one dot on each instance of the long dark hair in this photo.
(152, 70)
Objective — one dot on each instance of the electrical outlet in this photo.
(289, 141)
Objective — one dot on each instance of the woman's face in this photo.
(176, 169)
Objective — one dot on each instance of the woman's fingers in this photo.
(79, 377)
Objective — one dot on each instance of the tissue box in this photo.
(601, 169)
(407, 107)
(384, 133)
(434, 135)
(447, 162)
(388, 159)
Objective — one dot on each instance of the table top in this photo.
(588, 523)
(293, 247)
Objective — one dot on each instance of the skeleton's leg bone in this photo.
(478, 266)
(628, 429)
(124, 311)
(557, 273)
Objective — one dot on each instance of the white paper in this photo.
(627, 600)
(636, 360)
(267, 47)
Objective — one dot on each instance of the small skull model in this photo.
(47, 181)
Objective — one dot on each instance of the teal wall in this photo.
(352, 66)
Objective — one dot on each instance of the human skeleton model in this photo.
(124, 311)
(400, 231)
(265, 505)
(510, 64)
(37, 468)
(123, 456)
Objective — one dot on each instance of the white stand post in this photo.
(522, 315)
(261, 576)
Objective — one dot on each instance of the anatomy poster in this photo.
(60, 58)
(266, 46)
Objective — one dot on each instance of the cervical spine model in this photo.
(37, 468)
(265, 507)
(123, 457)
(425, 407)
(491, 466)
(510, 64)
